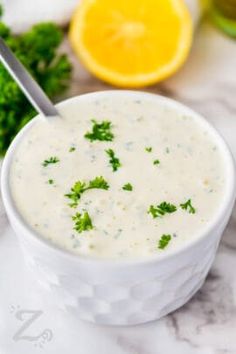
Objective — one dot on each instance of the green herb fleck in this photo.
(188, 207)
(148, 149)
(80, 187)
(167, 150)
(100, 131)
(83, 222)
(127, 187)
(72, 148)
(163, 242)
(51, 160)
(161, 209)
(114, 161)
(50, 181)
(76, 191)
(156, 162)
(99, 183)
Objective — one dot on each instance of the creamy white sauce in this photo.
(191, 167)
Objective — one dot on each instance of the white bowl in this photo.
(122, 292)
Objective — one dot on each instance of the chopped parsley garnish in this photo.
(50, 181)
(114, 161)
(83, 222)
(163, 242)
(162, 209)
(156, 162)
(127, 187)
(49, 161)
(99, 183)
(80, 187)
(188, 207)
(100, 131)
(148, 149)
(76, 191)
(72, 148)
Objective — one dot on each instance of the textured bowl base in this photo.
(127, 309)
(135, 319)
(118, 301)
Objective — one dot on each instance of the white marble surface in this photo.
(207, 324)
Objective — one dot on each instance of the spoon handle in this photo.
(28, 85)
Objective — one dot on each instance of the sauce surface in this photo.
(160, 155)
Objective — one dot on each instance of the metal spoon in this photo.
(27, 84)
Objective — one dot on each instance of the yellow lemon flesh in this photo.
(131, 43)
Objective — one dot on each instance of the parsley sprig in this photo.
(114, 161)
(80, 187)
(164, 241)
(188, 207)
(161, 209)
(100, 131)
(83, 222)
(51, 160)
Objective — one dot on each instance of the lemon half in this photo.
(131, 43)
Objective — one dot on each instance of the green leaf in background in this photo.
(37, 50)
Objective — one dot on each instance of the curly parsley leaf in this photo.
(161, 209)
(114, 161)
(164, 241)
(100, 131)
(148, 149)
(188, 207)
(51, 160)
(76, 191)
(99, 183)
(80, 187)
(83, 222)
(156, 162)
